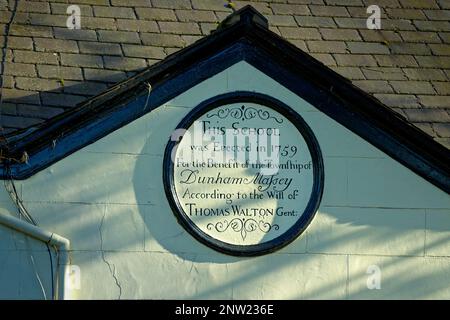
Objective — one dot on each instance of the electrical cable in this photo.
(149, 90)
(38, 278)
(51, 268)
(24, 212)
(14, 194)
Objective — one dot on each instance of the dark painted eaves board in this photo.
(246, 40)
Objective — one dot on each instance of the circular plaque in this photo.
(243, 173)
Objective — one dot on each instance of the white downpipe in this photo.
(52, 239)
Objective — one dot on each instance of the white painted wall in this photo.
(108, 199)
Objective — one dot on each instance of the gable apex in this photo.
(245, 15)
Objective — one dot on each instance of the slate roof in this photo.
(242, 36)
(49, 69)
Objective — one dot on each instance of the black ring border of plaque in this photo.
(318, 175)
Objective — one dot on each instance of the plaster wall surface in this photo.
(108, 199)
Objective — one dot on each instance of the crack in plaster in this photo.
(111, 266)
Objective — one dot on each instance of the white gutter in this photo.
(62, 244)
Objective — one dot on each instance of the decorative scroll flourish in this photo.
(243, 226)
(243, 113)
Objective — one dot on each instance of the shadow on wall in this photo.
(393, 237)
(161, 223)
(332, 231)
(24, 271)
